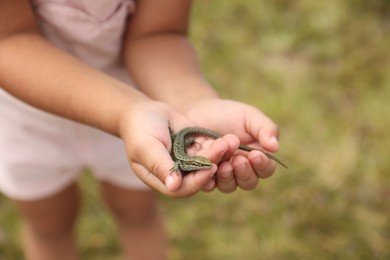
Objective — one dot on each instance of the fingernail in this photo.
(169, 181)
(274, 140)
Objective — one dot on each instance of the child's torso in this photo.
(91, 30)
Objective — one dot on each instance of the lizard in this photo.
(187, 163)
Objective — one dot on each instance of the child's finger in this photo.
(226, 181)
(265, 130)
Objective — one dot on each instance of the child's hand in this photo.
(251, 127)
(144, 129)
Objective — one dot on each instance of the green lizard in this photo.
(187, 163)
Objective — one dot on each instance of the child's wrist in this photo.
(128, 112)
(193, 103)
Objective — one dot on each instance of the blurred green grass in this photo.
(320, 70)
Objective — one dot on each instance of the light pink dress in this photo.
(40, 154)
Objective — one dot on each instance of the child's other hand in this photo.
(246, 124)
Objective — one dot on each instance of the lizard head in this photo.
(197, 163)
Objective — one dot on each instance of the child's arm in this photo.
(35, 71)
(164, 65)
(160, 57)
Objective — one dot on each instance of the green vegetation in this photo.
(320, 69)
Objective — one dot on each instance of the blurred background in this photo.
(321, 71)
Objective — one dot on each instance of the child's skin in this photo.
(162, 64)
